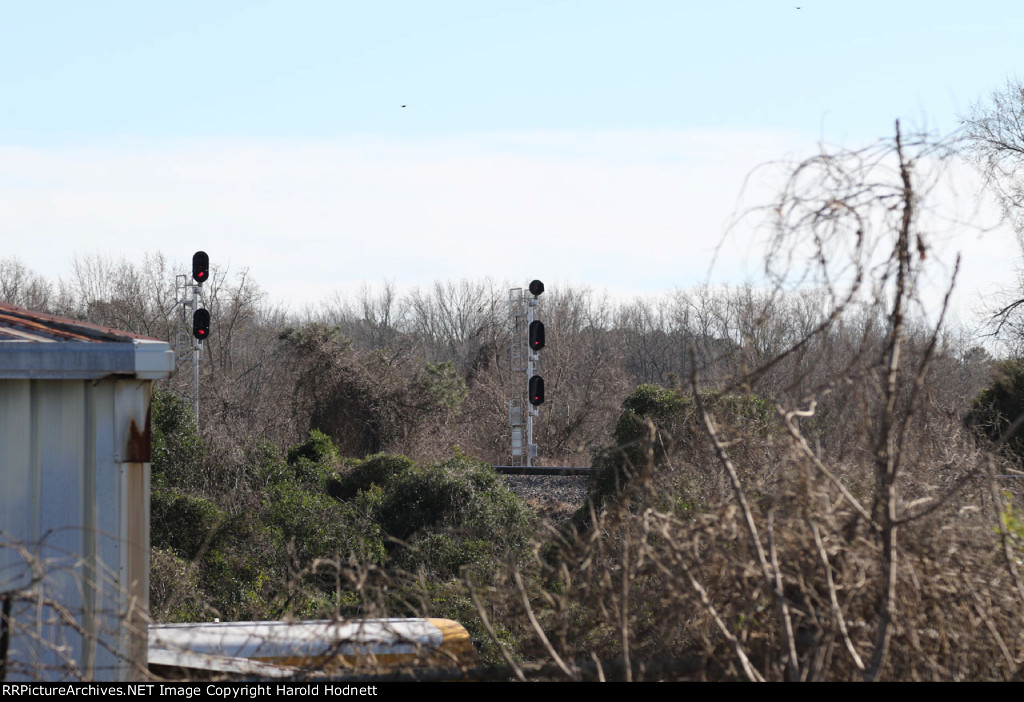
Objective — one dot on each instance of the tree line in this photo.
(425, 370)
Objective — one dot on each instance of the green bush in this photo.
(446, 552)
(314, 525)
(175, 592)
(314, 462)
(441, 386)
(270, 468)
(242, 570)
(999, 405)
(660, 427)
(177, 450)
(183, 523)
(379, 469)
(317, 518)
(317, 448)
(459, 512)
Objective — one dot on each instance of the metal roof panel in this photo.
(41, 346)
(19, 323)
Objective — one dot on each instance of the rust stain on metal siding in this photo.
(138, 448)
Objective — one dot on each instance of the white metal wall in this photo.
(74, 526)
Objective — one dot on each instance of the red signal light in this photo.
(536, 390)
(200, 323)
(200, 266)
(536, 335)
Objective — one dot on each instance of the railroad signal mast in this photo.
(189, 294)
(527, 341)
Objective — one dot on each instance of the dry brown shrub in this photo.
(881, 556)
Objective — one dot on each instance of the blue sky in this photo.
(597, 142)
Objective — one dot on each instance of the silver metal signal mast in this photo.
(527, 341)
(189, 294)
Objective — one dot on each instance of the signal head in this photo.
(201, 324)
(536, 391)
(200, 267)
(536, 287)
(536, 335)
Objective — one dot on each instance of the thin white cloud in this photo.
(631, 212)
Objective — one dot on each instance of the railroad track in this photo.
(543, 470)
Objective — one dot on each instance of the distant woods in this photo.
(421, 371)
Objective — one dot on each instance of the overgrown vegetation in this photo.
(659, 458)
(790, 485)
(288, 549)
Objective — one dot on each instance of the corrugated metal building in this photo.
(74, 496)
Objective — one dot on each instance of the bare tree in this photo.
(22, 287)
(994, 140)
(134, 296)
(453, 319)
